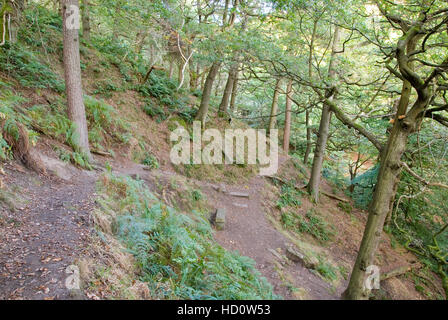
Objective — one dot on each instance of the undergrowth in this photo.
(311, 223)
(326, 270)
(175, 252)
(9, 117)
(150, 161)
(168, 101)
(105, 124)
(105, 127)
(289, 196)
(28, 69)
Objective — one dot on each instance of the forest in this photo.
(223, 150)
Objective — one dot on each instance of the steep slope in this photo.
(48, 221)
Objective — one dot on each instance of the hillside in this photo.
(138, 226)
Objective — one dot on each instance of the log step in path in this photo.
(220, 214)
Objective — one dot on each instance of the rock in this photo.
(276, 254)
(220, 188)
(220, 218)
(59, 168)
(76, 294)
(309, 261)
(294, 255)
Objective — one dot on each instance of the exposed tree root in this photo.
(21, 148)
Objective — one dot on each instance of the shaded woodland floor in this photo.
(49, 227)
(44, 234)
(133, 102)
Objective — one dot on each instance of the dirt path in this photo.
(248, 231)
(44, 236)
(40, 239)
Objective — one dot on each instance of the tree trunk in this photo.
(72, 69)
(405, 96)
(319, 153)
(287, 129)
(5, 16)
(15, 23)
(10, 16)
(206, 94)
(233, 14)
(353, 170)
(194, 75)
(307, 112)
(234, 92)
(170, 72)
(224, 14)
(390, 165)
(382, 202)
(179, 72)
(308, 137)
(218, 84)
(203, 77)
(140, 41)
(85, 19)
(228, 90)
(324, 126)
(274, 107)
(198, 8)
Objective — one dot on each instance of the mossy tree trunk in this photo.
(274, 106)
(194, 74)
(287, 129)
(308, 137)
(324, 128)
(207, 92)
(307, 111)
(406, 122)
(234, 93)
(228, 90)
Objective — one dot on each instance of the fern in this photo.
(10, 118)
(28, 69)
(178, 250)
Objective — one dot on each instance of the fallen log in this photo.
(149, 72)
(101, 153)
(334, 196)
(286, 182)
(300, 187)
(399, 271)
